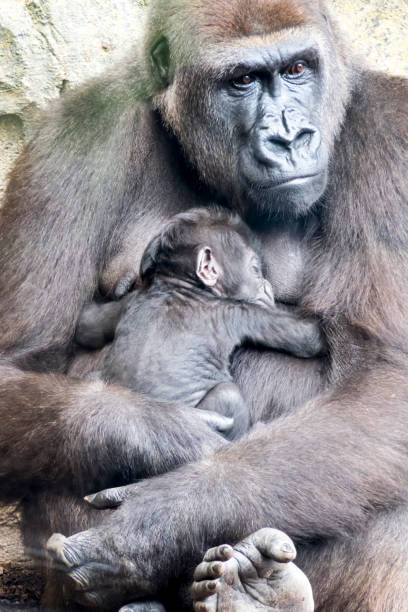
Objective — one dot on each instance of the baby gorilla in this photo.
(203, 294)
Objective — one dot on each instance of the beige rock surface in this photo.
(378, 30)
(48, 46)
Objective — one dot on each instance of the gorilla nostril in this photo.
(274, 144)
(303, 139)
(280, 141)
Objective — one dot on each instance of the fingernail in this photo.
(90, 498)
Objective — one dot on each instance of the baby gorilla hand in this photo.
(310, 340)
(257, 574)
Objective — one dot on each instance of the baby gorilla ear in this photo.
(207, 268)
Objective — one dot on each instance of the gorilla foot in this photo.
(257, 574)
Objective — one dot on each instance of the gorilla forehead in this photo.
(228, 19)
(261, 51)
(203, 22)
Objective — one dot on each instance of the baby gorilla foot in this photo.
(256, 575)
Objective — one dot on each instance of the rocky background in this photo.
(50, 46)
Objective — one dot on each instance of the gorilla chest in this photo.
(285, 255)
(284, 250)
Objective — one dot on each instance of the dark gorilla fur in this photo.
(109, 165)
(203, 295)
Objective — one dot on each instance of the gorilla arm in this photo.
(274, 477)
(54, 238)
(80, 436)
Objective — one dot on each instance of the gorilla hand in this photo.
(121, 562)
(110, 498)
(109, 566)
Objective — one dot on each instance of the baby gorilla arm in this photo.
(96, 327)
(276, 328)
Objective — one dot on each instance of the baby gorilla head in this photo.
(212, 249)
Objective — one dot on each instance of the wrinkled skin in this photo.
(325, 189)
(257, 574)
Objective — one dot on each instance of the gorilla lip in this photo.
(296, 180)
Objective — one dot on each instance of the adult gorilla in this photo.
(258, 106)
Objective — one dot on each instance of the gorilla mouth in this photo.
(288, 181)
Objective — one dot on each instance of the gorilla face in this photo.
(274, 102)
(252, 121)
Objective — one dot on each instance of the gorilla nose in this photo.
(289, 139)
(285, 130)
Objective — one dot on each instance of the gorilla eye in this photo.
(295, 69)
(244, 81)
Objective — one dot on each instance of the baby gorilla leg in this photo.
(257, 574)
(226, 399)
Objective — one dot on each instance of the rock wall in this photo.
(378, 30)
(48, 46)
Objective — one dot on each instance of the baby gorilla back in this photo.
(174, 348)
(169, 346)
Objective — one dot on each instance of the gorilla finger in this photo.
(91, 599)
(82, 598)
(107, 597)
(219, 553)
(205, 570)
(64, 557)
(146, 606)
(124, 285)
(108, 498)
(313, 342)
(75, 556)
(200, 590)
(216, 421)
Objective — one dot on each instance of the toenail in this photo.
(287, 548)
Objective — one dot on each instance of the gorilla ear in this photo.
(160, 58)
(207, 268)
